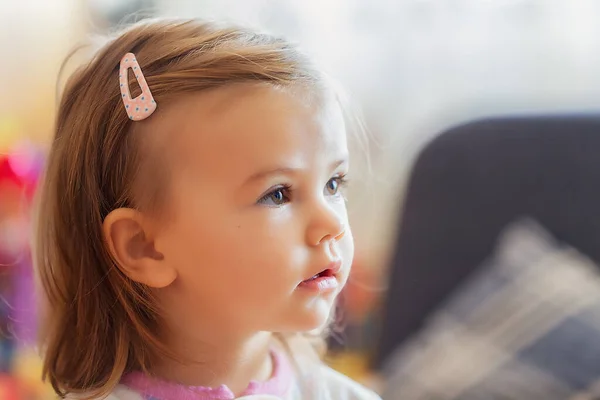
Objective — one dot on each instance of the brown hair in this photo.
(98, 324)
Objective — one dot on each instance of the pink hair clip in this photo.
(143, 105)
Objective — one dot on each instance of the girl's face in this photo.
(255, 209)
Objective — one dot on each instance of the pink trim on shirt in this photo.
(156, 389)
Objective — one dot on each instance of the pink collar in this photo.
(155, 389)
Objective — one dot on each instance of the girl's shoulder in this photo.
(330, 385)
(334, 386)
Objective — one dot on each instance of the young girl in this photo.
(191, 222)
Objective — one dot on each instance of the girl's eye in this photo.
(333, 185)
(276, 197)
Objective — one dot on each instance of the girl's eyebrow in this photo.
(273, 171)
(287, 171)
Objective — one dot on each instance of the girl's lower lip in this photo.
(320, 284)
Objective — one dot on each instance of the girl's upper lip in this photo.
(331, 269)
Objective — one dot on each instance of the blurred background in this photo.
(421, 71)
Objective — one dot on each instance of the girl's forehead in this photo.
(242, 127)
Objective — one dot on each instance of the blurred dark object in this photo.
(524, 326)
(467, 185)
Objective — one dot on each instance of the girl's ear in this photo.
(130, 241)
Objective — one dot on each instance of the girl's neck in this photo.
(233, 362)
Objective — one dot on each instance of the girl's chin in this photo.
(313, 318)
